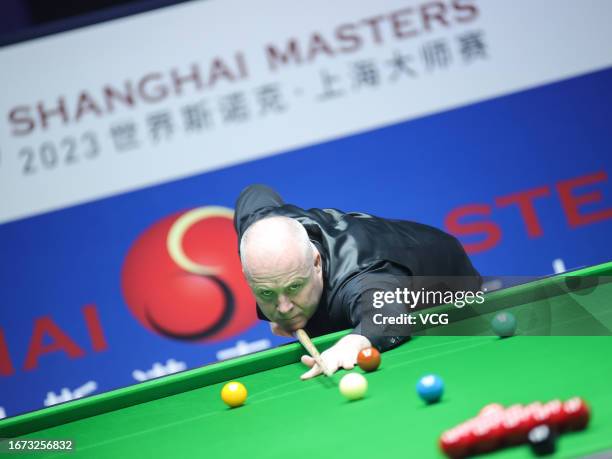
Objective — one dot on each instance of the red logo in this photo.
(182, 277)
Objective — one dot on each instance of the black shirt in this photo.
(361, 253)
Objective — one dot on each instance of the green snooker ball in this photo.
(504, 324)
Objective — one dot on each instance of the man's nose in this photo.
(284, 305)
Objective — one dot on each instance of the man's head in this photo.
(284, 270)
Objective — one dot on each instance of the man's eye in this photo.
(266, 293)
(295, 287)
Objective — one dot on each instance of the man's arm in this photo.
(252, 204)
(356, 301)
(364, 295)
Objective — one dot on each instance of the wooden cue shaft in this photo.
(303, 337)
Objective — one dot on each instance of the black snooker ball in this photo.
(542, 440)
(581, 285)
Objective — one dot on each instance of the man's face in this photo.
(288, 293)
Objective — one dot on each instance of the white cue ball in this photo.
(353, 386)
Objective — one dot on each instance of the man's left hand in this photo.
(343, 354)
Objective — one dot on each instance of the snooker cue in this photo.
(303, 338)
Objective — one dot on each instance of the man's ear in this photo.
(317, 261)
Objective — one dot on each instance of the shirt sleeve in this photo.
(358, 302)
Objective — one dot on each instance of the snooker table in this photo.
(182, 415)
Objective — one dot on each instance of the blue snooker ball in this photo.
(430, 388)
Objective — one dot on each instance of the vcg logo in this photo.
(182, 277)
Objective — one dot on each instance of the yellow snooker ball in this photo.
(234, 394)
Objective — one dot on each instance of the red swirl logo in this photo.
(182, 277)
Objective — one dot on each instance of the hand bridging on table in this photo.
(343, 354)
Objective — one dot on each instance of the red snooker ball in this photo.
(577, 414)
(368, 359)
(454, 444)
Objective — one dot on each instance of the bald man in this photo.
(317, 270)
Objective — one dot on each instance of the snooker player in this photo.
(316, 269)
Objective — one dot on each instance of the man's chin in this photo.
(294, 324)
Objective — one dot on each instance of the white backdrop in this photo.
(355, 66)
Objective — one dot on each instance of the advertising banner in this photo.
(124, 145)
